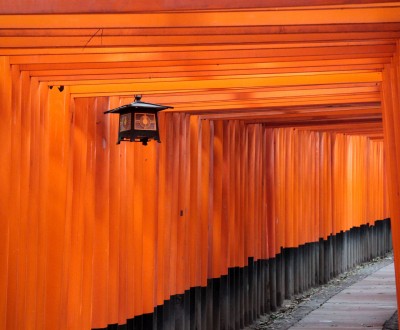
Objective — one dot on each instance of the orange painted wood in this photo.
(232, 217)
(217, 263)
(5, 170)
(313, 32)
(184, 201)
(244, 54)
(75, 299)
(270, 145)
(194, 216)
(152, 5)
(298, 16)
(34, 194)
(221, 191)
(258, 196)
(264, 199)
(57, 121)
(96, 39)
(134, 222)
(88, 218)
(276, 139)
(390, 99)
(171, 251)
(160, 235)
(25, 191)
(247, 209)
(101, 248)
(114, 216)
(42, 219)
(205, 206)
(75, 68)
(149, 218)
(14, 190)
(225, 206)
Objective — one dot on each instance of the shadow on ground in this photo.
(392, 323)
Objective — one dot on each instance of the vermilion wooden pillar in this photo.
(391, 123)
(5, 178)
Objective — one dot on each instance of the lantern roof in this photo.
(139, 105)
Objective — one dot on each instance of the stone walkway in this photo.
(367, 291)
(365, 304)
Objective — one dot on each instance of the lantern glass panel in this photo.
(125, 122)
(145, 121)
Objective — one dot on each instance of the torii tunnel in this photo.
(278, 167)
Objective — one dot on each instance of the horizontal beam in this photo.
(299, 80)
(77, 6)
(307, 113)
(98, 40)
(126, 74)
(193, 80)
(137, 55)
(197, 67)
(298, 16)
(374, 124)
(272, 62)
(277, 33)
(259, 105)
(210, 95)
(262, 95)
(361, 128)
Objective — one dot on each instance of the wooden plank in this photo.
(390, 108)
(150, 188)
(25, 191)
(114, 216)
(126, 54)
(101, 248)
(337, 31)
(302, 80)
(208, 18)
(183, 209)
(152, 5)
(76, 250)
(198, 66)
(58, 122)
(195, 159)
(217, 198)
(42, 216)
(98, 39)
(273, 62)
(88, 219)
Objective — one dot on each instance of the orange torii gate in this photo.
(271, 165)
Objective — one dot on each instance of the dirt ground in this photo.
(292, 311)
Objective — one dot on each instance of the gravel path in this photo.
(292, 311)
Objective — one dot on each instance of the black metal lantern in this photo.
(138, 121)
